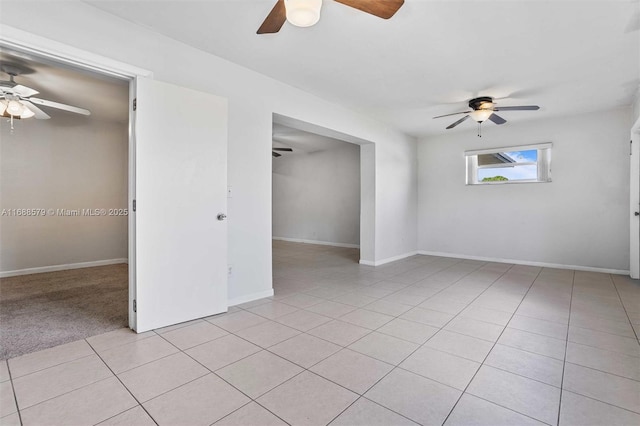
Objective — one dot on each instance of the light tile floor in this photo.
(426, 340)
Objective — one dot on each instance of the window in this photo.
(530, 163)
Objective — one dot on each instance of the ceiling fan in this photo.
(305, 13)
(484, 108)
(17, 101)
(275, 154)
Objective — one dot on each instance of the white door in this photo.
(180, 188)
(634, 185)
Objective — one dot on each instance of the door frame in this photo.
(367, 181)
(24, 41)
(634, 201)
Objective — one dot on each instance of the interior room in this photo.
(497, 275)
(63, 262)
(316, 189)
(316, 204)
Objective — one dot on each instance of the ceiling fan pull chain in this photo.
(479, 130)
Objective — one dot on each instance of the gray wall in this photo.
(580, 218)
(66, 162)
(316, 195)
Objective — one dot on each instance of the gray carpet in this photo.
(40, 311)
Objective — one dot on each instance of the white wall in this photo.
(253, 98)
(62, 163)
(581, 218)
(316, 195)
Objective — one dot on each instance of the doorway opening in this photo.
(322, 204)
(634, 201)
(65, 189)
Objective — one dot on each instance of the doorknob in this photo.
(636, 213)
(222, 216)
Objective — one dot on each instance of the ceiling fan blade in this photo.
(275, 154)
(60, 106)
(39, 114)
(283, 149)
(453, 113)
(518, 108)
(497, 119)
(274, 20)
(451, 126)
(24, 91)
(384, 9)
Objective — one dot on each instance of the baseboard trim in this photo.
(54, 268)
(250, 297)
(525, 262)
(322, 243)
(388, 259)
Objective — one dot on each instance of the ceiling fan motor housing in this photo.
(476, 103)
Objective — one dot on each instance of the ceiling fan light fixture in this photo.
(15, 108)
(481, 115)
(303, 13)
(3, 106)
(27, 113)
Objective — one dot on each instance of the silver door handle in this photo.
(222, 216)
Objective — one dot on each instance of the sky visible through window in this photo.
(521, 172)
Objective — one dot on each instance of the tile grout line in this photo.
(244, 405)
(222, 378)
(479, 320)
(373, 402)
(15, 397)
(537, 334)
(624, 307)
(371, 331)
(422, 345)
(356, 308)
(603, 402)
(566, 347)
(51, 366)
(524, 296)
(63, 393)
(123, 385)
(467, 359)
(602, 371)
(345, 347)
(452, 318)
(604, 332)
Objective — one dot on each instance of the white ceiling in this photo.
(302, 142)
(106, 97)
(568, 56)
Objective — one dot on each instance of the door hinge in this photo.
(630, 147)
(135, 104)
(135, 306)
(134, 205)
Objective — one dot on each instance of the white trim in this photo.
(525, 262)
(24, 41)
(18, 39)
(250, 297)
(322, 243)
(545, 145)
(54, 268)
(388, 259)
(505, 165)
(634, 201)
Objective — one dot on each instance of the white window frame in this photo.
(543, 163)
